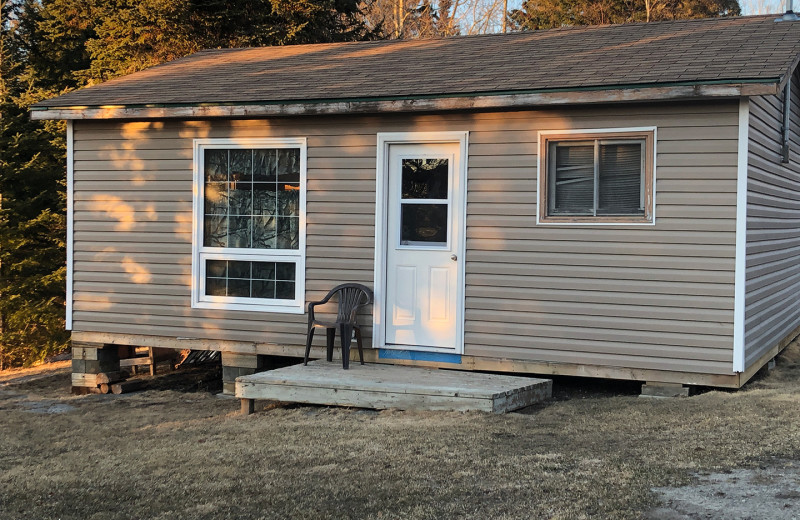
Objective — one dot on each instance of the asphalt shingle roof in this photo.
(742, 49)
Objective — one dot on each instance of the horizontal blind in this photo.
(573, 179)
(620, 179)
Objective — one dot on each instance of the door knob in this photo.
(453, 258)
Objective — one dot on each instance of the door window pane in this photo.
(425, 178)
(423, 223)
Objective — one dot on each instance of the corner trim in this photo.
(70, 225)
(741, 238)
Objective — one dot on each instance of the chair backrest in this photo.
(351, 297)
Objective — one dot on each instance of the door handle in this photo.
(453, 258)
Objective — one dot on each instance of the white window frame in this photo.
(542, 217)
(201, 253)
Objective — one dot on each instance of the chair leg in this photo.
(347, 335)
(360, 345)
(331, 336)
(309, 337)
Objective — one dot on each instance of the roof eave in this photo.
(622, 94)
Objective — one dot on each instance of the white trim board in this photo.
(70, 224)
(541, 172)
(384, 139)
(741, 238)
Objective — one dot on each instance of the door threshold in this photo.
(419, 355)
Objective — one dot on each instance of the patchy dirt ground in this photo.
(167, 453)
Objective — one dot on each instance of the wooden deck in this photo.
(392, 386)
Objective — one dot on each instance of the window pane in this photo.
(572, 177)
(239, 288)
(216, 165)
(285, 270)
(620, 179)
(264, 271)
(239, 232)
(425, 178)
(241, 199)
(216, 198)
(288, 233)
(215, 231)
(217, 268)
(284, 290)
(288, 165)
(423, 223)
(264, 198)
(216, 286)
(264, 165)
(264, 289)
(245, 279)
(265, 232)
(288, 199)
(241, 166)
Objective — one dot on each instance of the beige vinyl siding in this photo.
(772, 288)
(657, 297)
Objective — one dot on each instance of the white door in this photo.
(423, 242)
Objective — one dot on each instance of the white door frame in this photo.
(386, 139)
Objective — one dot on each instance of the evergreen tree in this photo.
(48, 47)
(547, 14)
(32, 168)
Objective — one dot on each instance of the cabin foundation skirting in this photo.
(243, 358)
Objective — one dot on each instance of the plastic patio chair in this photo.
(352, 297)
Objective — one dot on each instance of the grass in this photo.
(187, 454)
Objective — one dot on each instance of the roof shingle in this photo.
(742, 49)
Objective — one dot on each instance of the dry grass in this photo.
(167, 454)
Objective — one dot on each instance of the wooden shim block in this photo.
(127, 386)
(248, 406)
(664, 390)
(84, 353)
(85, 380)
(233, 359)
(105, 378)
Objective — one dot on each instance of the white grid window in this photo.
(249, 224)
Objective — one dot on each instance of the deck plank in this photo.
(392, 386)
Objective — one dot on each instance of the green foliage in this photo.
(547, 14)
(49, 47)
(32, 223)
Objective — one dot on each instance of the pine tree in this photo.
(48, 47)
(547, 14)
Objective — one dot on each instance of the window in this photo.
(249, 224)
(596, 177)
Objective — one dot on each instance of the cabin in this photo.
(613, 201)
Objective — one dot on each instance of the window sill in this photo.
(279, 309)
(596, 221)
